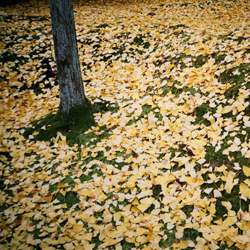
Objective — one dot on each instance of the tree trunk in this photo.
(67, 60)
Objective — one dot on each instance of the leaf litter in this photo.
(168, 167)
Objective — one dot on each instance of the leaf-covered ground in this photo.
(167, 165)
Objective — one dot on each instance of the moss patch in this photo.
(72, 126)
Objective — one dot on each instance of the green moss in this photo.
(224, 246)
(176, 88)
(235, 75)
(190, 234)
(200, 61)
(8, 57)
(72, 125)
(3, 207)
(146, 45)
(219, 57)
(68, 180)
(200, 111)
(70, 199)
(53, 188)
(157, 191)
(177, 26)
(216, 156)
(88, 177)
(247, 112)
(96, 241)
(98, 214)
(127, 246)
(103, 25)
(47, 127)
(138, 40)
(188, 209)
(170, 238)
(94, 31)
(146, 109)
(150, 209)
(84, 178)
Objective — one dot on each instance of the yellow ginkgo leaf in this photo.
(245, 190)
(183, 244)
(143, 207)
(48, 198)
(215, 236)
(192, 180)
(147, 201)
(45, 246)
(226, 109)
(141, 231)
(61, 185)
(72, 220)
(246, 171)
(89, 246)
(217, 193)
(78, 228)
(229, 182)
(131, 181)
(201, 203)
(165, 179)
(230, 221)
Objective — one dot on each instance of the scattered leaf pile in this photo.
(167, 167)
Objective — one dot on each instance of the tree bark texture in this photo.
(66, 52)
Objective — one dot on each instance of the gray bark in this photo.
(66, 52)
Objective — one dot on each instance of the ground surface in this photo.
(167, 165)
